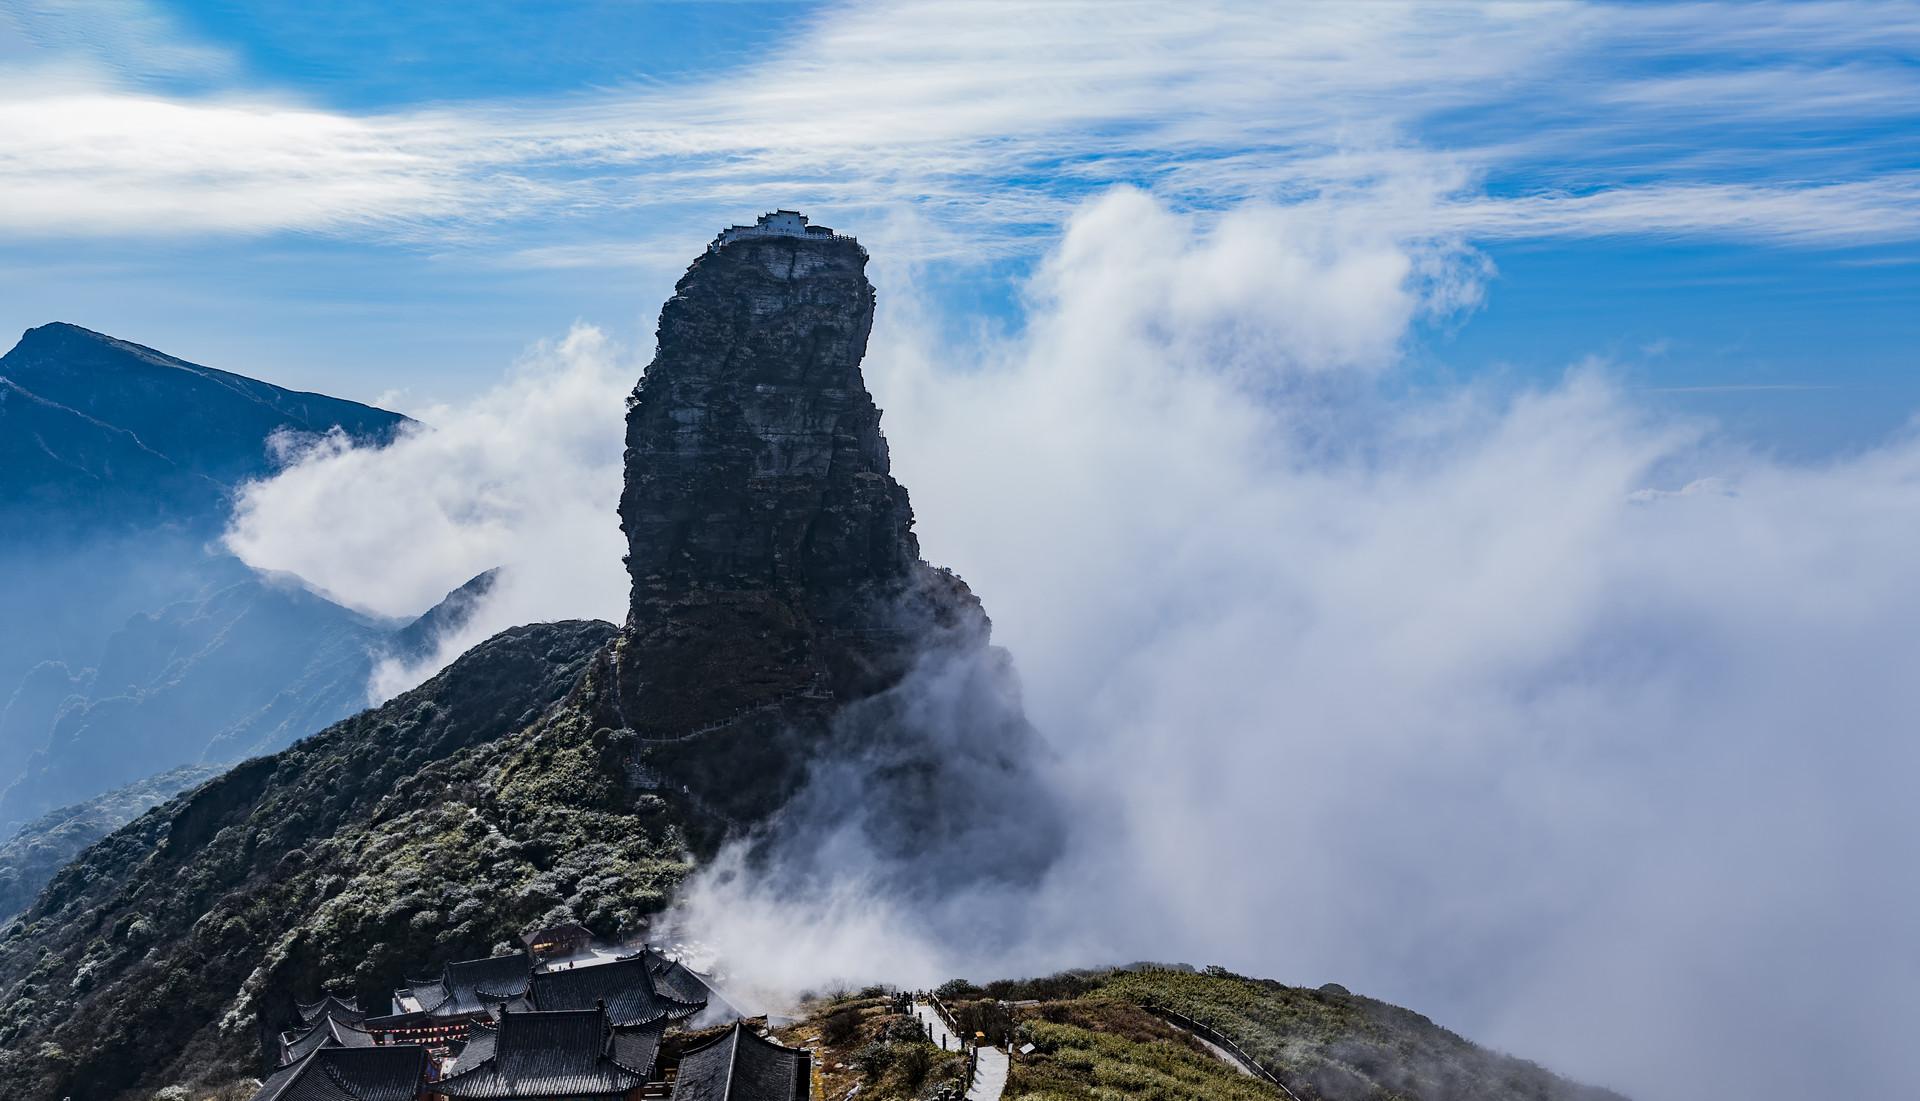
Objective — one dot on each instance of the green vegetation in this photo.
(499, 796)
(1097, 1049)
(1106, 1049)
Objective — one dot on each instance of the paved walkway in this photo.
(989, 1077)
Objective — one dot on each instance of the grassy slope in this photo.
(1327, 1045)
(1111, 1049)
(1083, 1049)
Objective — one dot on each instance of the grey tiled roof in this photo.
(479, 1049)
(330, 1006)
(624, 986)
(389, 1073)
(637, 1048)
(676, 981)
(560, 1054)
(295, 1046)
(458, 989)
(741, 1065)
(501, 1003)
(337, 1029)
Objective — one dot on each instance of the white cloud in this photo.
(993, 120)
(96, 162)
(1863, 212)
(524, 477)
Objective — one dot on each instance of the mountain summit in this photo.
(769, 545)
(781, 612)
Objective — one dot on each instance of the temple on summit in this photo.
(776, 223)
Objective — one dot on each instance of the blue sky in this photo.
(378, 203)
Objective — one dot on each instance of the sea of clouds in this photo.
(1576, 726)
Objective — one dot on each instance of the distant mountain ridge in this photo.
(109, 412)
(249, 666)
(134, 644)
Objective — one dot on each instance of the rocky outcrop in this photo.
(772, 553)
(787, 652)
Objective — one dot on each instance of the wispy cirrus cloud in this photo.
(992, 121)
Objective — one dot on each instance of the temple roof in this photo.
(572, 930)
(510, 1003)
(459, 988)
(330, 1005)
(558, 1054)
(740, 1065)
(392, 1073)
(479, 1048)
(337, 1029)
(394, 1021)
(625, 987)
(677, 981)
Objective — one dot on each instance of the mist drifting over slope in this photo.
(1575, 726)
(525, 477)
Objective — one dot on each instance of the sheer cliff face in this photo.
(772, 554)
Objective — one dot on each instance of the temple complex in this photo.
(463, 989)
(562, 1020)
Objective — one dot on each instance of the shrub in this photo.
(841, 1026)
(914, 1063)
(874, 1059)
(958, 988)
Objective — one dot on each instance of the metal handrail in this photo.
(1213, 1035)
